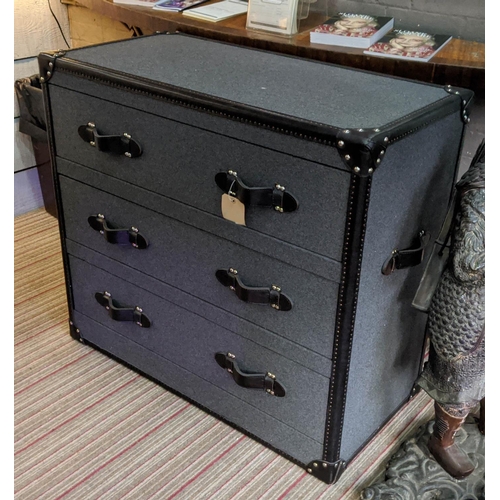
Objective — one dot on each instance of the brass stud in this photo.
(357, 169)
(340, 144)
(280, 187)
(42, 79)
(48, 73)
(278, 209)
(377, 130)
(92, 143)
(347, 157)
(233, 271)
(51, 65)
(378, 160)
(360, 130)
(138, 309)
(276, 288)
(139, 323)
(370, 170)
(91, 124)
(309, 470)
(347, 131)
(315, 464)
(386, 139)
(101, 216)
(128, 136)
(232, 172)
(325, 465)
(382, 152)
(232, 288)
(229, 355)
(129, 155)
(134, 229)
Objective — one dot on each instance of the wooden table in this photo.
(460, 63)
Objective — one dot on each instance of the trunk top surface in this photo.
(306, 90)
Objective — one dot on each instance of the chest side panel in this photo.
(410, 192)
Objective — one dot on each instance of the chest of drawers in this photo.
(296, 327)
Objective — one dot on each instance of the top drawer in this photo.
(181, 162)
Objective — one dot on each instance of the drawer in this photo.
(181, 161)
(191, 342)
(188, 259)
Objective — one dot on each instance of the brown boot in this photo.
(481, 417)
(443, 448)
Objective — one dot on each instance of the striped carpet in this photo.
(86, 427)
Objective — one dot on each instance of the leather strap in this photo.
(130, 236)
(264, 381)
(410, 257)
(122, 144)
(119, 313)
(257, 295)
(276, 196)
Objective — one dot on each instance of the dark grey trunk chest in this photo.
(285, 327)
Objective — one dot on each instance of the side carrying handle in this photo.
(400, 259)
(276, 197)
(130, 236)
(266, 381)
(122, 144)
(256, 295)
(119, 313)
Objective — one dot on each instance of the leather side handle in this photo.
(410, 257)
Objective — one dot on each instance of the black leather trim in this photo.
(359, 196)
(47, 63)
(115, 236)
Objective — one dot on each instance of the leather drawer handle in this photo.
(130, 236)
(122, 144)
(410, 257)
(256, 295)
(264, 381)
(120, 313)
(276, 196)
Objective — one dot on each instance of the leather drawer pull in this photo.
(276, 196)
(118, 144)
(130, 236)
(255, 295)
(119, 313)
(400, 259)
(266, 381)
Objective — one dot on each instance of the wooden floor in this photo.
(86, 427)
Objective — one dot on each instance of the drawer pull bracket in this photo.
(130, 236)
(410, 257)
(120, 313)
(122, 144)
(275, 197)
(265, 381)
(257, 295)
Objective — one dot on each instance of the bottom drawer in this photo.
(190, 342)
(211, 398)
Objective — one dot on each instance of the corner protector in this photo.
(362, 150)
(74, 331)
(414, 391)
(47, 62)
(466, 98)
(328, 472)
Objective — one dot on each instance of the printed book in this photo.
(176, 5)
(403, 44)
(143, 3)
(218, 11)
(352, 30)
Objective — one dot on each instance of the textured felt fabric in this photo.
(309, 90)
(254, 134)
(418, 173)
(191, 342)
(267, 245)
(188, 258)
(180, 162)
(276, 343)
